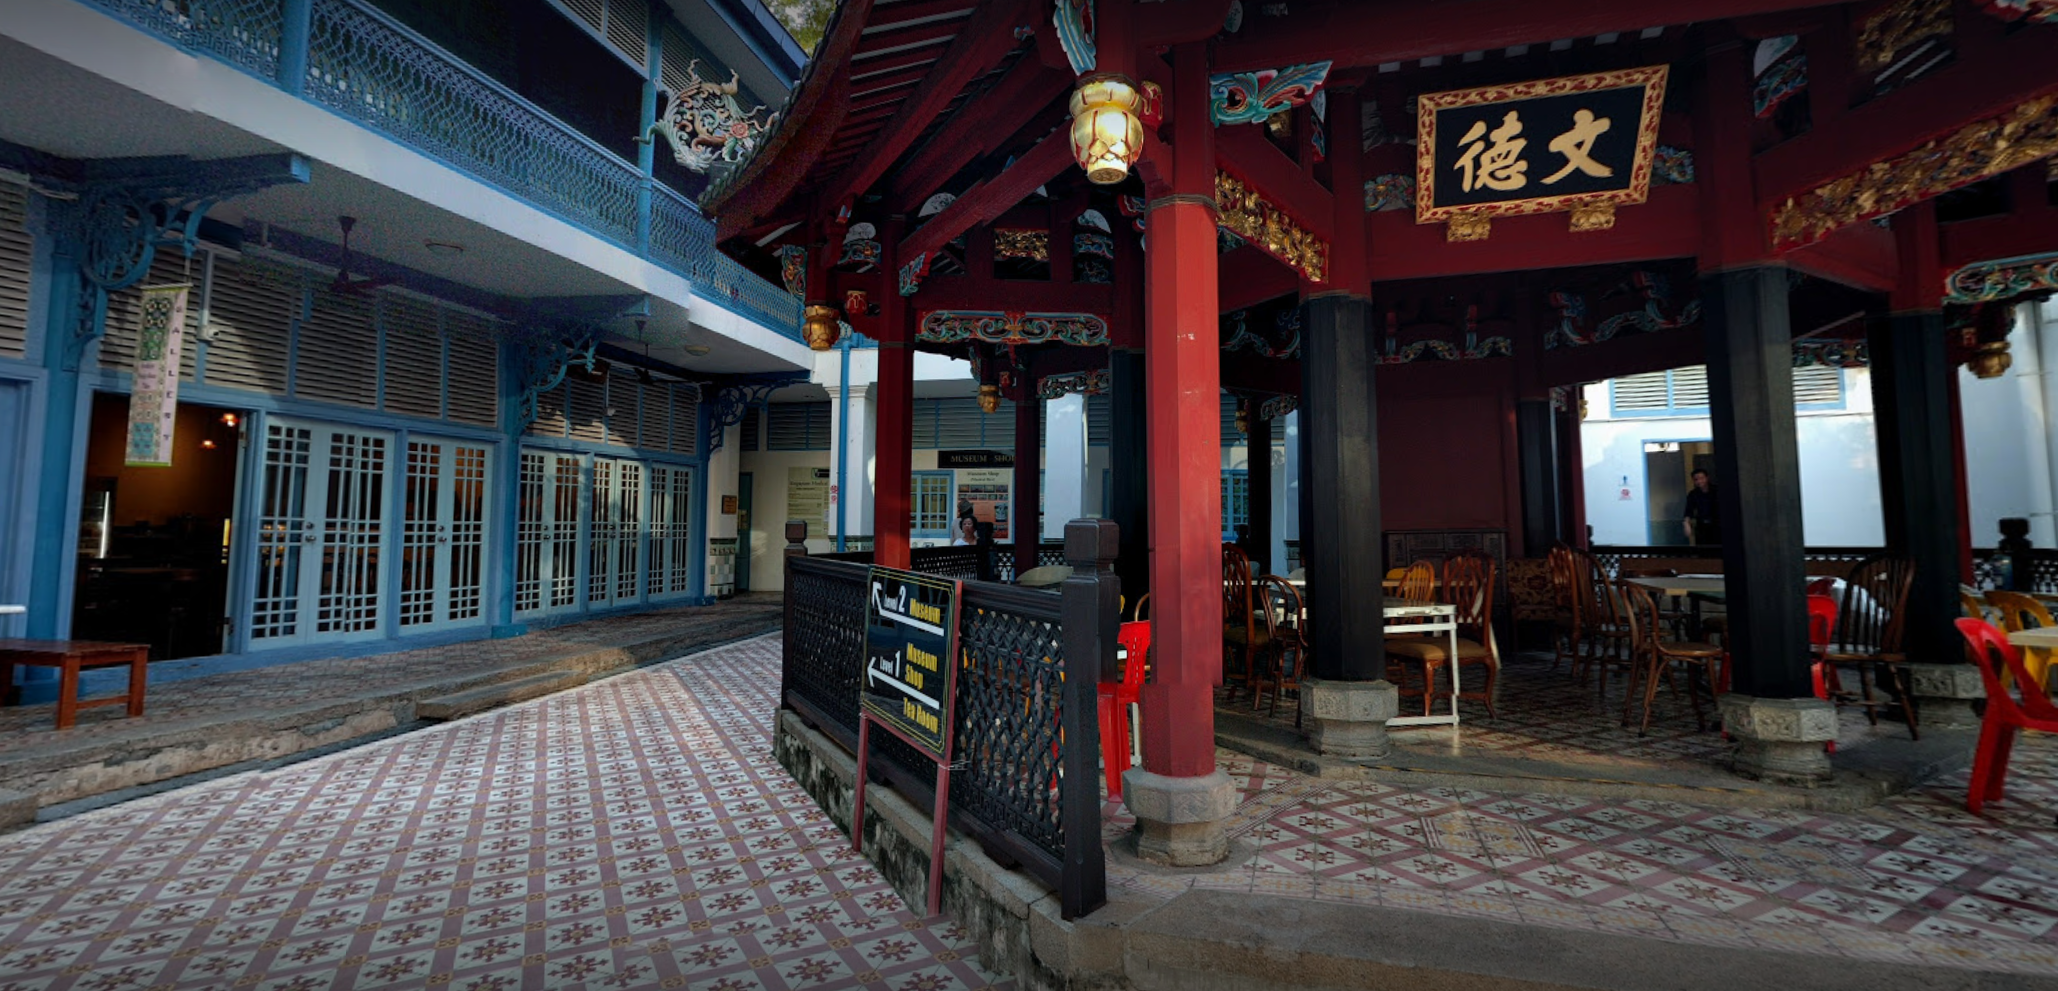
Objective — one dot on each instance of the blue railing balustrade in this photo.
(368, 67)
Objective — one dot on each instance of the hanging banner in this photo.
(154, 400)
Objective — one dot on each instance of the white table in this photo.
(1681, 585)
(1427, 617)
(2043, 637)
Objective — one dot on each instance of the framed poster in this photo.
(987, 490)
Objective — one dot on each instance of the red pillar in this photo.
(892, 495)
(1182, 376)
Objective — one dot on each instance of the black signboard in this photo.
(910, 675)
(975, 459)
(1571, 143)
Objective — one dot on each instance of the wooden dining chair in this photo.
(1468, 581)
(1603, 624)
(1868, 634)
(1244, 632)
(1565, 583)
(1284, 661)
(2021, 612)
(1418, 583)
(1657, 657)
(1142, 613)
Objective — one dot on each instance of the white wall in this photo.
(1840, 502)
(2008, 456)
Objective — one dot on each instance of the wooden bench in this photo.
(70, 657)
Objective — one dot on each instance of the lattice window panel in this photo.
(753, 432)
(588, 409)
(532, 530)
(671, 531)
(601, 542)
(281, 520)
(473, 382)
(352, 534)
(17, 249)
(335, 352)
(623, 406)
(443, 533)
(414, 356)
(567, 478)
(551, 419)
(422, 491)
(250, 310)
(1818, 386)
(125, 312)
(797, 427)
(628, 531)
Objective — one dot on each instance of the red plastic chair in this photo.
(2007, 714)
(1822, 610)
(1115, 700)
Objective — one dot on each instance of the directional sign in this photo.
(910, 656)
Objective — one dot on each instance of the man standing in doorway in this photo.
(1703, 521)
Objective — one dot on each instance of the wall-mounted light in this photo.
(447, 249)
(1107, 136)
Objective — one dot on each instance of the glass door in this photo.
(321, 534)
(443, 534)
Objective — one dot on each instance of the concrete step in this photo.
(454, 706)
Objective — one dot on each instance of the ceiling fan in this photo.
(344, 283)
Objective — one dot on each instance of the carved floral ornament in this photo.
(1247, 214)
(1986, 148)
(705, 125)
(1090, 383)
(998, 327)
(1897, 27)
(2002, 280)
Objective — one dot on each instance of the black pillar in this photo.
(1128, 452)
(1340, 525)
(1911, 398)
(1758, 478)
(1536, 434)
(1027, 525)
(1258, 473)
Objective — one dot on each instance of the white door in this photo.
(443, 534)
(547, 542)
(321, 534)
(615, 561)
(671, 531)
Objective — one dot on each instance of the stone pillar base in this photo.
(1781, 738)
(1179, 820)
(1944, 693)
(1348, 718)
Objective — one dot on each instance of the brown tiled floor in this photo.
(300, 682)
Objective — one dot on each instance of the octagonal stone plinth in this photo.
(1348, 718)
(1179, 820)
(1944, 693)
(1781, 739)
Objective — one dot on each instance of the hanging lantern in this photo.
(820, 328)
(1243, 418)
(989, 399)
(1107, 137)
(1990, 360)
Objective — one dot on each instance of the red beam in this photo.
(1024, 92)
(1249, 277)
(1979, 85)
(1668, 226)
(2031, 229)
(1861, 256)
(1243, 151)
(795, 145)
(1364, 32)
(970, 292)
(981, 40)
(983, 202)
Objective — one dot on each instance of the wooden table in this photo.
(1681, 585)
(1426, 617)
(72, 656)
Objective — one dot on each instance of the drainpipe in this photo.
(842, 438)
(2037, 335)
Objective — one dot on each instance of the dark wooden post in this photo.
(1027, 525)
(1536, 436)
(1340, 526)
(1091, 612)
(1129, 486)
(1758, 478)
(1258, 475)
(796, 538)
(1912, 410)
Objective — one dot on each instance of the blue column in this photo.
(699, 510)
(646, 152)
(501, 543)
(298, 25)
(53, 558)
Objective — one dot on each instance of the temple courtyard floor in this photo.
(636, 832)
